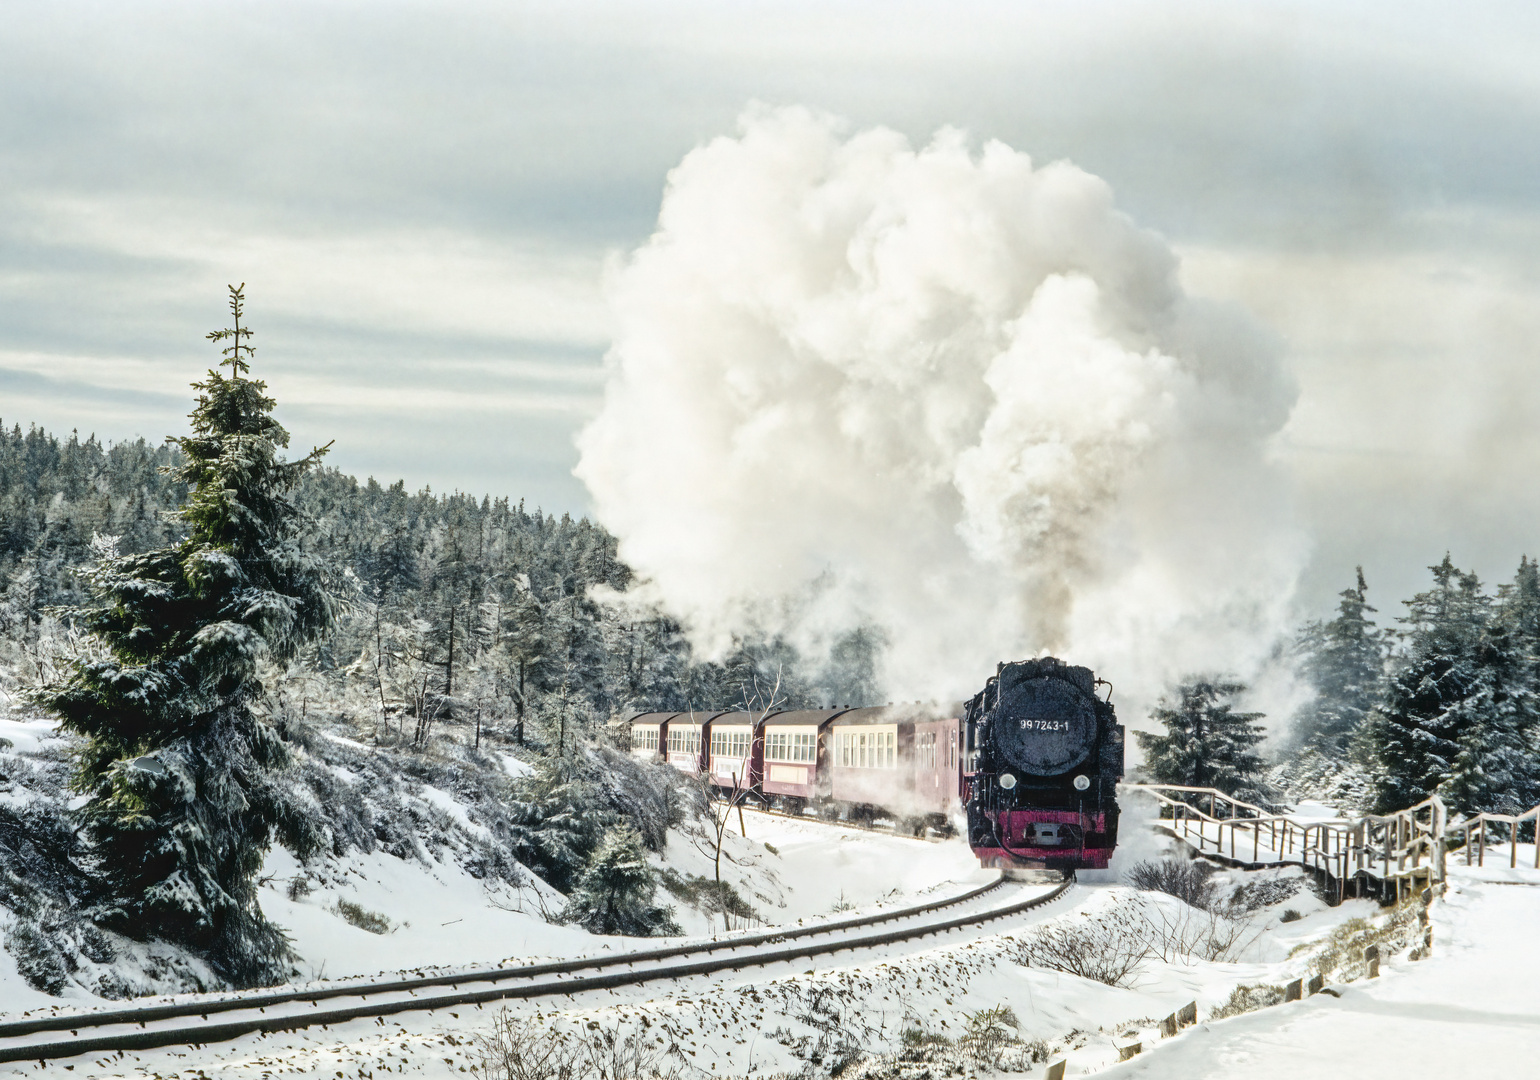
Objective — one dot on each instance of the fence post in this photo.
(1438, 849)
(1481, 843)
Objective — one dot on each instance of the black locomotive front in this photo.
(1048, 754)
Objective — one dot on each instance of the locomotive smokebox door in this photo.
(1044, 727)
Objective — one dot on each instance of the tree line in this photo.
(1446, 702)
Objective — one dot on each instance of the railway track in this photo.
(195, 1023)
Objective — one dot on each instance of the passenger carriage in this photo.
(688, 740)
(648, 734)
(899, 761)
(796, 766)
(735, 757)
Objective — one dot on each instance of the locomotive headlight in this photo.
(1007, 781)
(1082, 782)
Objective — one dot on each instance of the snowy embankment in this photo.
(438, 916)
(1471, 1008)
(1092, 973)
(415, 877)
(908, 1010)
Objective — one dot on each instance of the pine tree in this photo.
(1497, 767)
(1207, 743)
(615, 891)
(181, 804)
(1416, 733)
(1344, 661)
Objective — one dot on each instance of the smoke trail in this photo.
(944, 392)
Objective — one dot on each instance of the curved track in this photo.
(189, 1023)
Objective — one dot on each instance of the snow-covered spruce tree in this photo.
(615, 891)
(1429, 702)
(1476, 739)
(177, 768)
(1207, 743)
(1344, 661)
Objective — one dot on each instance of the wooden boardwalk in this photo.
(1388, 856)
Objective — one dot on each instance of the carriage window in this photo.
(683, 740)
(925, 750)
(730, 744)
(863, 749)
(788, 745)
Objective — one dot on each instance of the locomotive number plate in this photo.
(1045, 725)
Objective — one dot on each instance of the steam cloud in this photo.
(944, 392)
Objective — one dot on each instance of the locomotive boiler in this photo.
(1047, 754)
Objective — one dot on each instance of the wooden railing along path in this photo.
(1388, 855)
(1478, 826)
(1383, 854)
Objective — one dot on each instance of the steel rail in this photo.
(200, 1035)
(105, 1017)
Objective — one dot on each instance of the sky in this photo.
(426, 203)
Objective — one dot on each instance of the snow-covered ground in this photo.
(779, 1020)
(1473, 1001)
(790, 871)
(1470, 1009)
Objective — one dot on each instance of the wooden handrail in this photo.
(1396, 847)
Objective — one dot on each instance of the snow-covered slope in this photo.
(1471, 1008)
(418, 873)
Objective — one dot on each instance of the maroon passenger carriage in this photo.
(897, 761)
(796, 766)
(901, 762)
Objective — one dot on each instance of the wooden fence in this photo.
(1474, 831)
(1386, 855)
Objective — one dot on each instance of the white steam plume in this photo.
(944, 392)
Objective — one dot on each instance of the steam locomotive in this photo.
(1043, 793)
(1034, 759)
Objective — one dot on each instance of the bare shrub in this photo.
(628, 1058)
(1186, 879)
(517, 1050)
(1245, 999)
(361, 917)
(1178, 933)
(989, 1032)
(1342, 953)
(711, 897)
(838, 1029)
(514, 1050)
(1107, 948)
(991, 1040)
(917, 1038)
(1264, 892)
